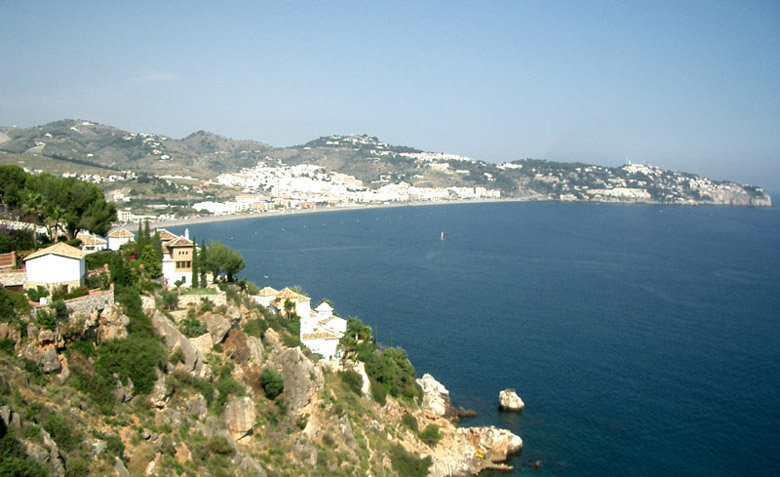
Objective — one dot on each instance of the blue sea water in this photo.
(644, 340)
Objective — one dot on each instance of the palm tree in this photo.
(31, 204)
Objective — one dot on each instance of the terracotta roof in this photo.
(7, 260)
(88, 239)
(287, 294)
(121, 232)
(179, 242)
(60, 248)
(165, 235)
(320, 336)
(268, 291)
(13, 278)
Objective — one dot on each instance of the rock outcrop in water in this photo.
(510, 401)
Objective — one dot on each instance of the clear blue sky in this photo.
(691, 86)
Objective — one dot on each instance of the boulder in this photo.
(161, 393)
(112, 324)
(203, 343)
(123, 393)
(218, 327)
(194, 362)
(436, 398)
(301, 378)
(235, 346)
(49, 361)
(250, 467)
(510, 401)
(240, 416)
(496, 444)
(255, 350)
(196, 404)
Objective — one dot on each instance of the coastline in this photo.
(317, 210)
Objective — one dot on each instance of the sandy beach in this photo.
(316, 210)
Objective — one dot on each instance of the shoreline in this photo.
(322, 210)
(317, 210)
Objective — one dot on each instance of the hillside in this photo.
(149, 385)
(79, 146)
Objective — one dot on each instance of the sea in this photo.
(644, 339)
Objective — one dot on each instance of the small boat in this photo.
(442, 236)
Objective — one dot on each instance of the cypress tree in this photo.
(194, 264)
(202, 264)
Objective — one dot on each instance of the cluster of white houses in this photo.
(63, 265)
(321, 329)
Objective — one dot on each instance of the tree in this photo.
(223, 259)
(194, 264)
(272, 383)
(202, 263)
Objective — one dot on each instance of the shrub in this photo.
(378, 392)
(46, 320)
(256, 328)
(12, 305)
(170, 299)
(192, 327)
(7, 346)
(410, 421)
(407, 463)
(271, 382)
(430, 435)
(133, 357)
(353, 381)
(38, 293)
(219, 445)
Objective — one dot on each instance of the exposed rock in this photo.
(436, 398)
(54, 453)
(154, 466)
(255, 350)
(123, 393)
(218, 327)
(240, 416)
(233, 313)
(301, 378)
(250, 467)
(496, 444)
(203, 343)
(183, 454)
(161, 393)
(49, 361)
(196, 404)
(360, 368)
(96, 446)
(119, 468)
(305, 451)
(194, 362)
(8, 332)
(46, 337)
(112, 324)
(510, 401)
(236, 348)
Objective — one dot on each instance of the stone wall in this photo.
(86, 305)
(218, 299)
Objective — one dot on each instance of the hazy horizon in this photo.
(688, 86)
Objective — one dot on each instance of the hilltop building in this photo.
(321, 331)
(118, 237)
(177, 258)
(92, 243)
(57, 265)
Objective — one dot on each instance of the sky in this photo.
(685, 85)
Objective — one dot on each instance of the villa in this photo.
(118, 237)
(57, 265)
(92, 243)
(321, 331)
(288, 301)
(177, 258)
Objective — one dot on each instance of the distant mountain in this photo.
(80, 145)
(91, 144)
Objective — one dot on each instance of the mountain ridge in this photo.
(204, 154)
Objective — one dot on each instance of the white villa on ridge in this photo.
(177, 258)
(266, 296)
(301, 304)
(57, 265)
(118, 237)
(91, 243)
(321, 331)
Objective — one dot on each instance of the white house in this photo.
(58, 265)
(301, 304)
(118, 237)
(177, 260)
(265, 297)
(321, 331)
(92, 243)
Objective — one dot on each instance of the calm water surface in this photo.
(644, 340)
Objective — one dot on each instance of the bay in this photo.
(645, 340)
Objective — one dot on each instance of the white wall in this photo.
(115, 243)
(326, 348)
(55, 269)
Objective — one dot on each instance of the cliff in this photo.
(215, 390)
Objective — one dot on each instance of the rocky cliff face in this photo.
(208, 412)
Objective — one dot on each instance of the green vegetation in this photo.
(408, 464)
(50, 201)
(430, 435)
(221, 259)
(271, 382)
